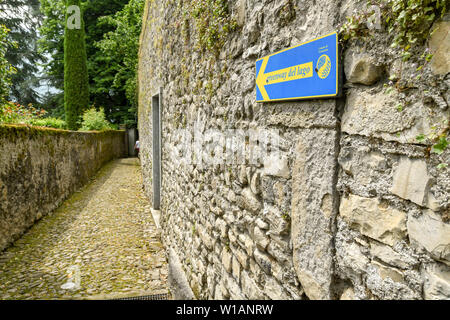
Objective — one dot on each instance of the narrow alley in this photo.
(101, 243)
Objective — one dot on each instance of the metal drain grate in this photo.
(163, 296)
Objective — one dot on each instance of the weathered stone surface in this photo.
(236, 269)
(361, 68)
(292, 200)
(240, 12)
(312, 179)
(350, 256)
(242, 256)
(440, 47)
(348, 294)
(274, 290)
(226, 259)
(437, 282)
(250, 288)
(275, 165)
(375, 114)
(233, 288)
(388, 272)
(262, 241)
(310, 114)
(249, 201)
(278, 225)
(255, 184)
(391, 257)
(430, 232)
(365, 167)
(263, 261)
(374, 219)
(39, 168)
(380, 283)
(411, 180)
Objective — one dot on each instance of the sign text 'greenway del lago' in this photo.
(308, 70)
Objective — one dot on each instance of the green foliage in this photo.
(120, 48)
(438, 137)
(95, 120)
(212, 21)
(48, 123)
(51, 40)
(76, 84)
(6, 69)
(110, 73)
(440, 145)
(442, 166)
(411, 20)
(16, 113)
(22, 17)
(408, 21)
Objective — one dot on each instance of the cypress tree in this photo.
(76, 85)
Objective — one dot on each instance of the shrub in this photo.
(49, 123)
(6, 69)
(11, 112)
(95, 120)
(76, 85)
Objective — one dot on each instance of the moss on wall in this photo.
(40, 167)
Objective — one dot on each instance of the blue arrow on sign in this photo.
(308, 70)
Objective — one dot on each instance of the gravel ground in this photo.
(103, 235)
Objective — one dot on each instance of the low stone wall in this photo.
(39, 168)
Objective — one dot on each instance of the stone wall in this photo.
(354, 207)
(39, 168)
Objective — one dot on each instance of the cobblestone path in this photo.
(104, 233)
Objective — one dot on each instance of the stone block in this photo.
(439, 44)
(250, 288)
(437, 282)
(226, 259)
(388, 272)
(261, 240)
(263, 260)
(360, 68)
(374, 219)
(240, 12)
(411, 180)
(350, 256)
(313, 172)
(430, 232)
(222, 227)
(255, 184)
(348, 294)
(236, 269)
(248, 201)
(242, 257)
(391, 257)
(276, 165)
(274, 290)
(262, 224)
(278, 225)
(375, 114)
(278, 252)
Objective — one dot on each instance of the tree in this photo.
(120, 49)
(76, 85)
(101, 69)
(6, 69)
(22, 17)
